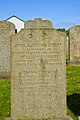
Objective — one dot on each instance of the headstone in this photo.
(67, 48)
(74, 34)
(38, 80)
(6, 30)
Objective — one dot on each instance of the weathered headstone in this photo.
(67, 48)
(6, 30)
(74, 34)
(38, 80)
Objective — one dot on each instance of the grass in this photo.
(4, 99)
(73, 94)
(73, 91)
(73, 79)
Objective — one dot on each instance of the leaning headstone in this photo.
(38, 80)
(74, 34)
(6, 30)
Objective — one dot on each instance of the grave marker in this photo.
(74, 34)
(38, 77)
(6, 30)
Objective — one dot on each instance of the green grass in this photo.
(73, 94)
(73, 91)
(4, 99)
(73, 79)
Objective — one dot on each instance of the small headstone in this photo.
(67, 48)
(38, 77)
(74, 35)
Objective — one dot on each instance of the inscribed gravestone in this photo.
(38, 85)
(74, 34)
(6, 30)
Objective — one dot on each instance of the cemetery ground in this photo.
(73, 94)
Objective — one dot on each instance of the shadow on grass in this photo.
(73, 102)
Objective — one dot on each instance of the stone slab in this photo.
(38, 77)
(6, 30)
(74, 35)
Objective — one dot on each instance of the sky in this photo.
(63, 13)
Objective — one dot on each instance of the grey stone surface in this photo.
(74, 34)
(38, 77)
(78, 117)
(6, 30)
(38, 23)
(67, 48)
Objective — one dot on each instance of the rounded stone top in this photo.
(75, 27)
(38, 23)
(6, 25)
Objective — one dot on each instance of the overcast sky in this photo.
(63, 13)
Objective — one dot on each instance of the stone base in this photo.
(68, 118)
(77, 63)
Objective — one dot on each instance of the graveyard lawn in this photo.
(73, 91)
(5, 98)
(73, 94)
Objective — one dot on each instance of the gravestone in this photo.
(38, 80)
(6, 30)
(67, 48)
(74, 34)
